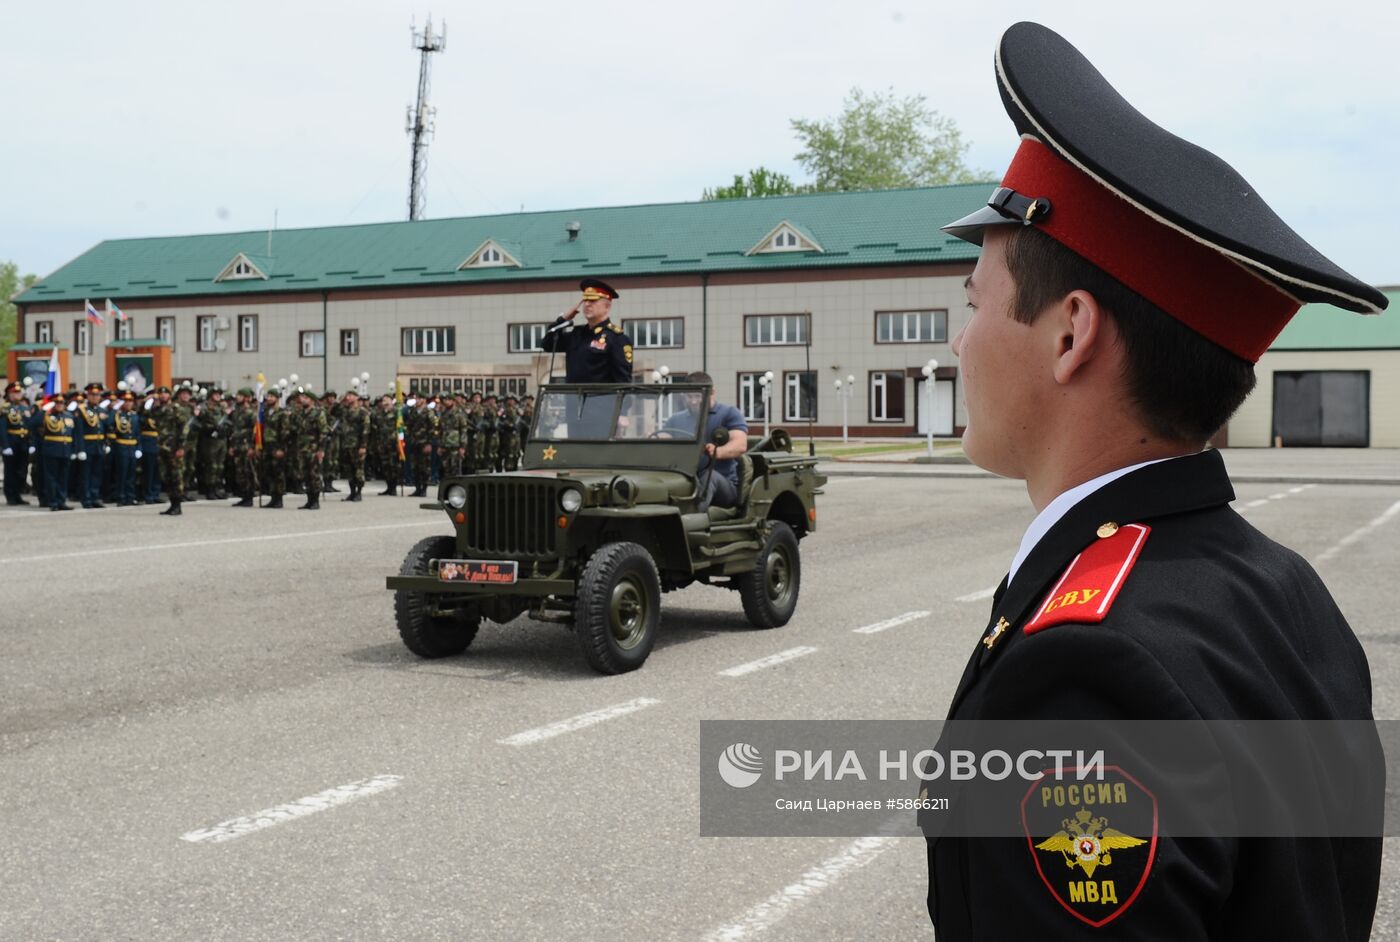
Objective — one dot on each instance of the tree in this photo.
(11, 284)
(883, 142)
(760, 182)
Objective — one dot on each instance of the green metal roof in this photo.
(1323, 327)
(881, 227)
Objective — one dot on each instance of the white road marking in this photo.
(1258, 503)
(541, 733)
(772, 910)
(891, 622)
(841, 477)
(977, 596)
(142, 548)
(1273, 497)
(768, 661)
(1352, 537)
(281, 814)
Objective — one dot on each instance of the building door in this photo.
(1323, 407)
(942, 415)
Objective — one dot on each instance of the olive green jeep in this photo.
(607, 513)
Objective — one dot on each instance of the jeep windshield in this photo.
(618, 414)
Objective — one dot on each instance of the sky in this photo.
(153, 118)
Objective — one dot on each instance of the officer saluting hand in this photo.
(598, 352)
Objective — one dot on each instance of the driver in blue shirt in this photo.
(721, 482)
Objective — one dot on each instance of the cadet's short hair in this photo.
(1184, 386)
(699, 376)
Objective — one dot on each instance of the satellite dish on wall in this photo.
(220, 343)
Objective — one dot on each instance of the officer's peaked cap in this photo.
(1165, 217)
(593, 289)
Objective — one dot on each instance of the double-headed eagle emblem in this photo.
(1086, 842)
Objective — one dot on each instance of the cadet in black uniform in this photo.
(1128, 281)
(598, 352)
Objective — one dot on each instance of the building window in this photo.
(656, 331)
(800, 396)
(313, 343)
(242, 269)
(768, 330)
(165, 330)
(886, 396)
(82, 338)
(247, 333)
(911, 326)
(43, 331)
(751, 396)
(491, 256)
(429, 341)
(787, 239)
(349, 343)
(525, 338)
(124, 329)
(206, 334)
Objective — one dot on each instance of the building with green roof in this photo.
(857, 287)
(810, 288)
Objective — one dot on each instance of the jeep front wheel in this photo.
(424, 633)
(769, 590)
(618, 610)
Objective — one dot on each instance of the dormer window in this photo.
(785, 237)
(241, 268)
(490, 254)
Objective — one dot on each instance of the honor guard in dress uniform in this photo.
(15, 442)
(125, 441)
(1127, 283)
(56, 428)
(353, 442)
(88, 445)
(598, 352)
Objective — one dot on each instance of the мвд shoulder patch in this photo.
(1088, 587)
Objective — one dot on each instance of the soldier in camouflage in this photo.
(175, 425)
(242, 448)
(454, 433)
(212, 429)
(331, 468)
(422, 430)
(353, 440)
(509, 437)
(276, 439)
(312, 436)
(488, 428)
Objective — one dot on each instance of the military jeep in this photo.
(605, 515)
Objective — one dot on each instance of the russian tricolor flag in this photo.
(92, 313)
(53, 383)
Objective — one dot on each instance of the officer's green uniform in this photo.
(174, 422)
(213, 429)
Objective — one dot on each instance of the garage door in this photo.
(1323, 407)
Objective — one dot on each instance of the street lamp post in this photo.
(930, 368)
(844, 393)
(766, 381)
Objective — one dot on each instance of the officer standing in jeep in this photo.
(597, 353)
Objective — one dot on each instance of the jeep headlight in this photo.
(570, 499)
(456, 497)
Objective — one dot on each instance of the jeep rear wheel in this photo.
(618, 610)
(423, 633)
(770, 589)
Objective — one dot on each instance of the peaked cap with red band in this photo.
(1168, 219)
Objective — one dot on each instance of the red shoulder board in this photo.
(1088, 587)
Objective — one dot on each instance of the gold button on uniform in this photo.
(1107, 530)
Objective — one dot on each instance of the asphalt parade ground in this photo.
(210, 730)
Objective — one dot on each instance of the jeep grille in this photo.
(511, 517)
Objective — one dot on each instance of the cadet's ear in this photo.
(1082, 333)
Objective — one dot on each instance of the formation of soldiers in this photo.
(100, 447)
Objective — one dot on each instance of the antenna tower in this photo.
(419, 125)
